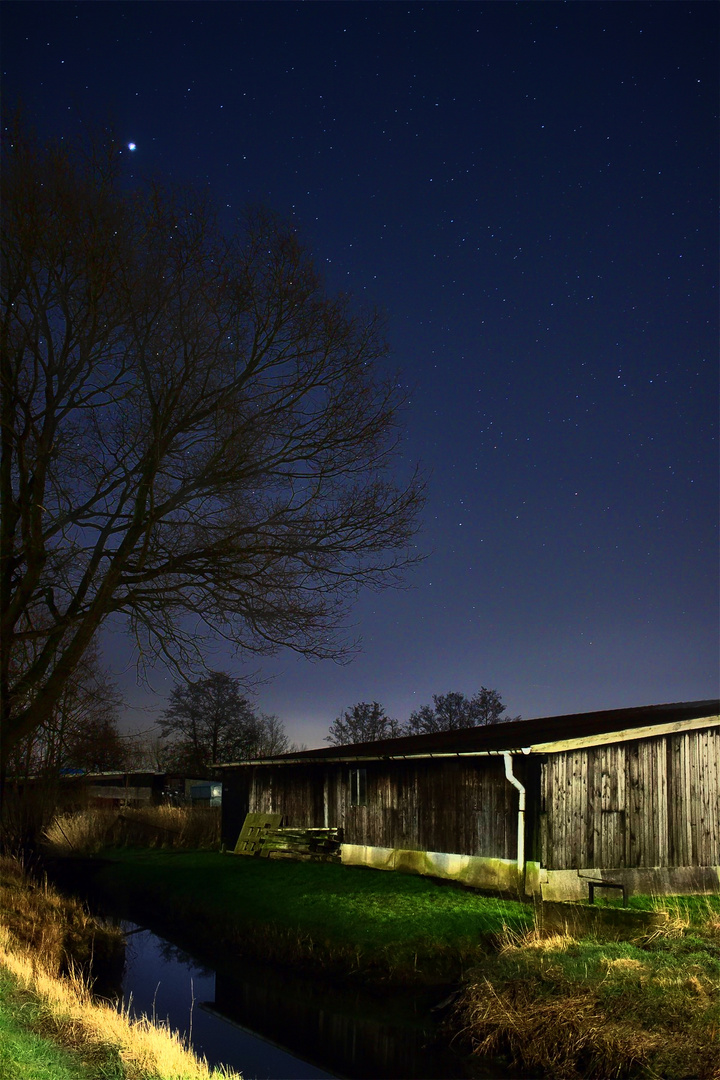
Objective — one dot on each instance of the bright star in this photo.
(132, 146)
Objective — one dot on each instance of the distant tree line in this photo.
(368, 721)
(207, 721)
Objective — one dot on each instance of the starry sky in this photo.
(529, 191)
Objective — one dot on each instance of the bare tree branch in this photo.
(193, 434)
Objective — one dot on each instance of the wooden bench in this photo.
(598, 883)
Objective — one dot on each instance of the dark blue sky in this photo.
(530, 192)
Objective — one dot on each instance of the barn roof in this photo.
(546, 734)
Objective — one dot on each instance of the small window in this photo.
(358, 787)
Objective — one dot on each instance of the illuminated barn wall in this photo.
(465, 807)
(646, 803)
(631, 794)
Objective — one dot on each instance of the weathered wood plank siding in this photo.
(630, 803)
(643, 803)
(454, 806)
(298, 794)
(463, 806)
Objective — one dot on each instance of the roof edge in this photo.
(512, 737)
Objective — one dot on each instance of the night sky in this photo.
(530, 192)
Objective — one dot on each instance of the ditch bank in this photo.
(51, 949)
(58, 930)
(318, 918)
(555, 1002)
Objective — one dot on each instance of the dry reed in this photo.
(567, 1037)
(86, 832)
(44, 941)
(571, 1009)
(70, 1017)
(57, 930)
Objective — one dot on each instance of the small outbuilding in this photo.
(538, 806)
(206, 793)
(124, 789)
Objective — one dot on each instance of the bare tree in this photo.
(272, 738)
(364, 722)
(147, 751)
(455, 710)
(81, 732)
(210, 720)
(194, 436)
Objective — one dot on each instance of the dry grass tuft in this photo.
(69, 1016)
(624, 964)
(517, 941)
(86, 832)
(686, 914)
(565, 1037)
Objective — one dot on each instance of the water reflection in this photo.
(165, 983)
(273, 1025)
(354, 1033)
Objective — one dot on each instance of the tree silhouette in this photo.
(81, 732)
(454, 710)
(209, 720)
(364, 722)
(194, 436)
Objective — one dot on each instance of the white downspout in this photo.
(510, 775)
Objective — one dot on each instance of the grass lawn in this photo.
(24, 1054)
(566, 1007)
(385, 925)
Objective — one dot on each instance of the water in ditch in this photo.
(272, 1025)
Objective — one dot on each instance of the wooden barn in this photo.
(540, 806)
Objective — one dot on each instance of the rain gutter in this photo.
(350, 759)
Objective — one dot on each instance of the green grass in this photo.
(585, 1008)
(374, 923)
(25, 1054)
(696, 910)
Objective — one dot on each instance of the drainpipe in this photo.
(509, 774)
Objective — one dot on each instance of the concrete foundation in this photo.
(500, 875)
(650, 881)
(495, 874)
(606, 924)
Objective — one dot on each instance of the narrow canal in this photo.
(273, 1025)
(165, 983)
